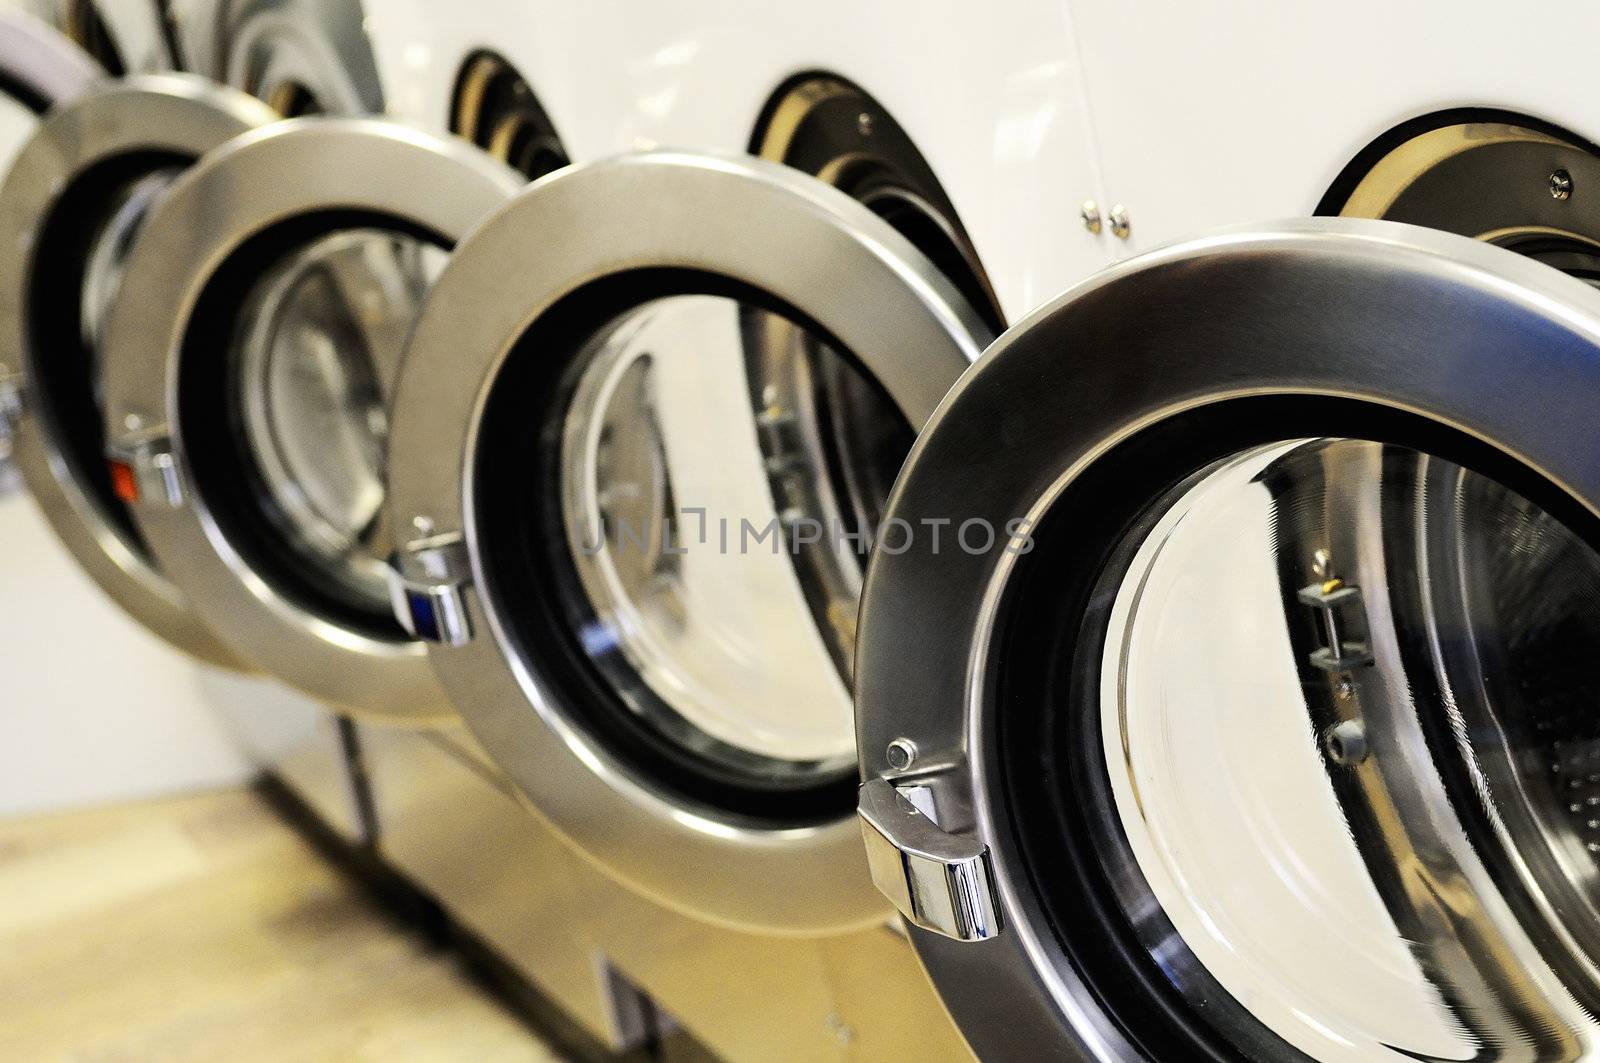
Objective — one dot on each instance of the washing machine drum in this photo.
(633, 491)
(80, 189)
(249, 370)
(1270, 732)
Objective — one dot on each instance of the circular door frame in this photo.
(1381, 315)
(177, 114)
(40, 66)
(819, 251)
(292, 170)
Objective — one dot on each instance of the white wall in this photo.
(92, 707)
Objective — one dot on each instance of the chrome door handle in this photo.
(940, 881)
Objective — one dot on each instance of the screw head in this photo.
(901, 754)
(1347, 743)
(1561, 185)
(864, 124)
(1090, 213)
(423, 525)
(1121, 226)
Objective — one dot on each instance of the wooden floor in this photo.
(202, 928)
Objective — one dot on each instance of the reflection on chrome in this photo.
(316, 351)
(1349, 712)
(717, 647)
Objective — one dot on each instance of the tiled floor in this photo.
(202, 928)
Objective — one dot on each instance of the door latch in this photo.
(144, 467)
(940, 881)
(427, 584)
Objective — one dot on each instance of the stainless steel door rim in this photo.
(229, 224)
(1332, 327)
(134, 126)
(631, 230)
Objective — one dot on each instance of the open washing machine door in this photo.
(78, 193)
(632, 491)
(249, 374)
(1266, 731)
(301, 56)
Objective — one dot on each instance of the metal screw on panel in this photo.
(902, 753)
(1561, 185)
(1090, 213)
(423, 525)
(1120, 225)
(1347, 744)
(864, 124)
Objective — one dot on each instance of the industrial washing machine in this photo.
(817, 941)
(79, 194)
(1265, 735)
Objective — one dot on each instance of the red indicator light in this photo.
(123, 483)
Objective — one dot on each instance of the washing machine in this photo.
(1263, 736)
(75, 199)
(75, 196)
(249, 376)
(824, 103)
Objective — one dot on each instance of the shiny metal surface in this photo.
(300, 742)
(822, 253)
(1446, 329)
(38, 69)
(716, 649)
(818, 410)
(939, 881)
(165, 117)
(451, 823)
(317, 347)
(272, 181)
(1293, 882)
(301, 56)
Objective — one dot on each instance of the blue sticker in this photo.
(424, 619)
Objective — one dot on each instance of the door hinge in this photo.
(940, 881)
